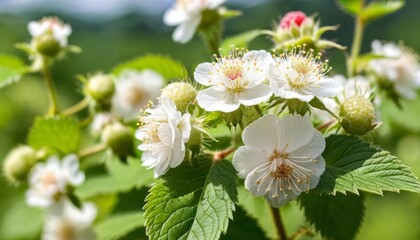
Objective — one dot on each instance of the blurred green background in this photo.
(107, 39)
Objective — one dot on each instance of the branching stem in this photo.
(52, 95)
(279, 223)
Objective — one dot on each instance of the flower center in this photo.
(233, 73)
(48, 179)
(282, 171)
(65, 231)
(134, 95)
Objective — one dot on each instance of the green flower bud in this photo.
(119, 138)
(358, 115)
(233, 118)
(101, 87)
(18, 163)
(181, 93)
(194, 141)
(47, 45)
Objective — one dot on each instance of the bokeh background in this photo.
(111, 31)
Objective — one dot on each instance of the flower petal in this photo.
(256, 64)
(262, 133)
(185, 31)
(204, 73)
(174, 16)
(312, 149)
(324, 87)
(215, 99)
(294, 131)
(255, 95)
(247, 159)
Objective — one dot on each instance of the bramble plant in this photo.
(219, 148)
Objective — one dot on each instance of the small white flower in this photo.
(164, 132)
(49, 181)
(298, 74)
(101, 120)
(50, 25)
(234, 80)
(281, 157)
(186, 14)
(134, 90)
(66, 221)
(401, 67)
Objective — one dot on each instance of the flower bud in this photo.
(18, 163)
(292, 18)
(233, 118)
(358, 115)
(181, 93)
(119, 138)
(47, 45)
(194, 141)
(101, 87)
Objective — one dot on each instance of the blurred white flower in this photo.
(234, 80)
(134, 90)
(101, 120)
(49, 181)
(298, 74)
(186, 14)
(281, 157)
(50, 25)
(163, 132)
(400, 67)
(66, 222)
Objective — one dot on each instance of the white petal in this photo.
(281, 199)
(71, 170)
(204, 73)
(36, 29)
(256, 64)
(262, 133)
(325, 87)
(294, 131)
(178, 153)
(247, 159)
(174, 16)
(185, 31)
(257, 182)
(165, 133)
(255, 95)
(214, 99)
(312, 149)
(212, 4)
(185, 127)
(405, 91)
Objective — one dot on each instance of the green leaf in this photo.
(192, 201)
(353, 165)
(239, 41)
(164, 65)
(119, 225)
(336, 217)
(122, 178)
(353, 7)
(377, 9)
(57, 134)
(243, 227)
(11, 69)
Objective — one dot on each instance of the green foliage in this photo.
(239, 41)
(57, 134)
(164, 65)
(354, 165)
(11, 69)
(372, 11)
(122, 178)
(335, 217)
(243, 227)
(193, 201)
(353, 7)
(119, 225)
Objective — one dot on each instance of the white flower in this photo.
(50, 25)
(401, 67)
(68, 222)
(281, 157)
(49, 181)
(134, 90)
(164, 132)
(186, 14)
(234, 80)
(298, 74)
(101, 120)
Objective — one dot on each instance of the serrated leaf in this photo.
(57, 134)
(377, 9)
(353, 7)
(354, 165)
(122, 178)
(239, 41)
(118, 226)
(193, 201)
(11, 69)
(335, 217)
(166, 66)
(243, 226)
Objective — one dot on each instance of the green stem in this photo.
(77, 107)
(92, 150)
(279, 223)
(357, 43)
(51, 90)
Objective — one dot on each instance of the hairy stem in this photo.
(92, 150)
(279, 223)
(223, 154)
(77, 107)
(357, 43)
(52, 95)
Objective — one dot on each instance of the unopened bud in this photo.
(358, 115)
(295, 18)
(47, 45)
(181, 93)
(119, 138)
(195, 138)
(233, 118)
(101, 87)
(18, 163)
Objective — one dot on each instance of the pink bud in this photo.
(296, 17)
